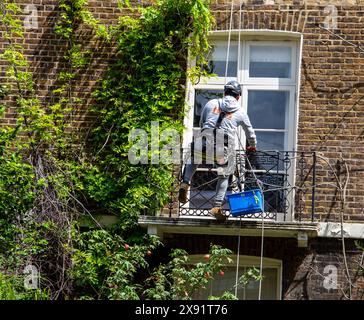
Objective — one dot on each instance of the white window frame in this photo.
(221, 80)
(279, 81)
(290, 141)
(216, 83)
(255, 37)
(249, 262)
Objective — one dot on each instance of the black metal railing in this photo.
(287, 179)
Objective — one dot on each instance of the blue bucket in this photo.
(246, 202)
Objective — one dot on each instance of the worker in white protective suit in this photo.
(223, 116)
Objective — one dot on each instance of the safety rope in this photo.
(241, 146)
(239, 36)
(238, 180)
(258, 182)
(237, 263)
(229, 40)
(261, 258)
(260, 187)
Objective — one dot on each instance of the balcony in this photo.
(287, 179)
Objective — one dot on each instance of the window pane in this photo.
(267, 109)
(219, 285)
(270, 62)
(217, 60)
(270, 141)
(269, 286)
(201, 98)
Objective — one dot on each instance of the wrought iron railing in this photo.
(287, 179)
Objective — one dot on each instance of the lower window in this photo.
(271, 282)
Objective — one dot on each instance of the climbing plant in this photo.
(52, 177)
(178, 280)
(147, 83)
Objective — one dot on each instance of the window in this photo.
(271, 283)
(268, 73)
(217, 59)
(271, 113)
(201, 98)
(270, 61)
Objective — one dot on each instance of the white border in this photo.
(260, 80)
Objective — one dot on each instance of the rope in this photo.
(229, 40)
(226, 71)
(239, 37)
(261, 259)
(259, 183)
(358, 46)
(237, 263)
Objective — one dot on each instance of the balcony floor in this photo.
(160, 225)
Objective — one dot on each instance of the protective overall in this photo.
(230, 115)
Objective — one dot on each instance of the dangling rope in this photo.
(256, 179)
(260, 186)
(239, 38)
(254, 176)
(261, 250)
(237, 263)
(226, 70)
(229, 40)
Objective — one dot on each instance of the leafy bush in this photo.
(50, 176)
(177, 279)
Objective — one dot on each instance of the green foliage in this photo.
(225, 296)
(178, 280)
(104, 263)
(145, 84)
(33, 121)
(12, 288)
(49, 176)
(73, 14)
(17, 190)
(34, 187)
(3, 91)
(252, 274)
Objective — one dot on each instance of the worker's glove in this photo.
(251, 149)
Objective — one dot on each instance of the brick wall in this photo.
(331, 114)
(331, 104)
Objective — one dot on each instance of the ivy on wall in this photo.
(145, 84)
(51, 178)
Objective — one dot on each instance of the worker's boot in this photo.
(183, 190)
(217, 213)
